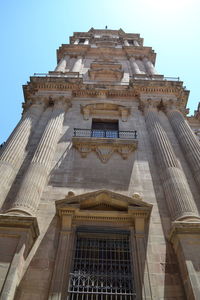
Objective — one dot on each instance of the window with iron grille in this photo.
(102, 267)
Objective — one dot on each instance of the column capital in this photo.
(58, 101)
(172, 106)
(149, 104)
(62, 102)
(34, 101)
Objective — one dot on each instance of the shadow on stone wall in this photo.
(36, 281)
(90, 173)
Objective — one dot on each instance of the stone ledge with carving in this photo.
(104, 147)
(106, 71)
(108, 109)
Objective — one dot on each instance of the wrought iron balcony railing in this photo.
(102, 133)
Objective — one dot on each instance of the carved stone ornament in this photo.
(105, 109)
(106, 71)
(104, 205)
(104, 147)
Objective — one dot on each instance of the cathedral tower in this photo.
(100, 180)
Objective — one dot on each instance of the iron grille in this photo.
(101, 268)
(101, 133)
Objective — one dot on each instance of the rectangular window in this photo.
(105, 128)
(101, 267)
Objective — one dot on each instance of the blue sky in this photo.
(32, 30)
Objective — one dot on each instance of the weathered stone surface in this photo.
(14, 151)
(188, 141)
(177, 192)
(107, 75)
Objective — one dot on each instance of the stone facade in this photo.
(139, 173)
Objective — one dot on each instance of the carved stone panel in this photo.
(104, 147)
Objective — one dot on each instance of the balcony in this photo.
(102, 133)
(104, 142)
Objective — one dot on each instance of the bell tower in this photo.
(100, 179)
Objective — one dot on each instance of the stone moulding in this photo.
(99, 208)
(106, 71)
(108, 109)
(104, 147)
(183, 228)
(104, 206)
(21, 223)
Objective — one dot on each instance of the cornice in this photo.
(183, 228)
(91, 207)
(137, 89)
(86, 50)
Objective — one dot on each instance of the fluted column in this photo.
(77, 65)
(34, 180)
(188, 141)
(177, 192)
(149, 66)
(14, 150)
(62, 65)
(134, 66)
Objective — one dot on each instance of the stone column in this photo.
(126, 43)
(77, 65)
(14, 150)
(86, 42)
(141, 66)
(134, 66)
(177, 192)
(136, 43)
(33, 183)
(188, 141)
(61, 67)
(149, 66)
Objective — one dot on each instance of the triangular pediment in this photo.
(103, 200)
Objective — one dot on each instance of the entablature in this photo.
(137, 89)
(87, 51)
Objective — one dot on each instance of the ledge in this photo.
(20, 223)
(104, 147)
